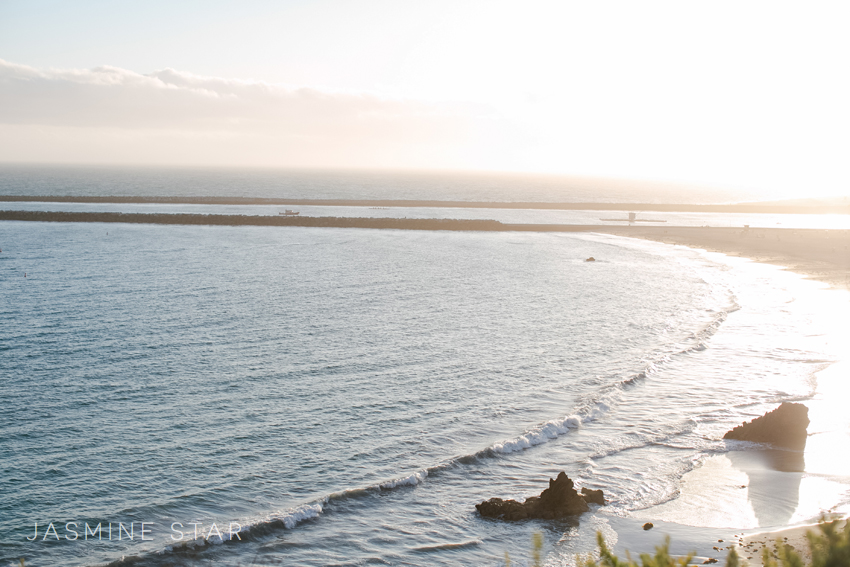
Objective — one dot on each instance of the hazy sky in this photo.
(750, 94)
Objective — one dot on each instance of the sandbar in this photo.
(817, 253)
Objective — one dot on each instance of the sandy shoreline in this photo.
(823, 255)
(752, 479)
(714, 544)
(750, 547)
(709, 543)
(749, 490)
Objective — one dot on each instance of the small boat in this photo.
(289, 213)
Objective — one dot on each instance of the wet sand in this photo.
(748, 489)
(758, 491)
(761, 490)
(819, 254)
(750, 547)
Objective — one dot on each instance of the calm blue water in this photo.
(347, 396)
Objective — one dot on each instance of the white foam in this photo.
(295, 516)
(541, 434)
(410, 480)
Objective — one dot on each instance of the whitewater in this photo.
(347, 396)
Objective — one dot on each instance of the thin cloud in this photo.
(240, 122)
(118, 98)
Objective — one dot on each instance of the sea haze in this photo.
(346, 184)
(347, 396)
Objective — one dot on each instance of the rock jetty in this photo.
(783, 427)
(558, 501)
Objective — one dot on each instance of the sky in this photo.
(732, 94)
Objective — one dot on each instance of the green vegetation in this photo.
(829, 548)
(536, 551)
(661, 558)
(536, 548)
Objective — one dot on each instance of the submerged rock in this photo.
(558, 501)
(784, 427)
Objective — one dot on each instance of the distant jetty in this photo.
(253, 220)
(772, 207)
(291, 220)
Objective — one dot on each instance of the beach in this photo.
(823, 255)
(763, 485)
(726, 485)
(682, 371)
(763, 482)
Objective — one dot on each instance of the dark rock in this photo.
(593, 496)
(560, 500)
(784, 427)
(648, 526)
(505, 509)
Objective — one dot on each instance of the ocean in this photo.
(320, 396)
(28, 179)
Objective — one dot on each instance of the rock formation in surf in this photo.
(784, 427)
(593, 496)
(558, 501)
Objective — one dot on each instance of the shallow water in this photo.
(347, 396)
